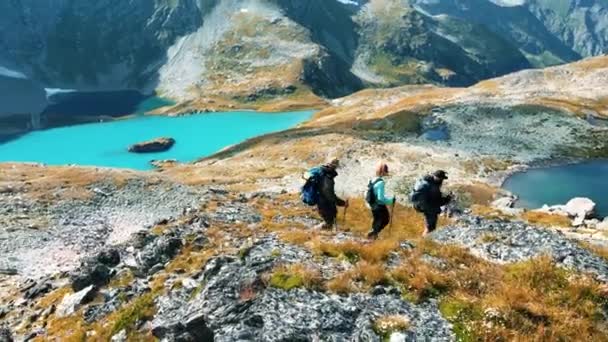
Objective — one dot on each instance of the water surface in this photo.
(65, 104)
(557, 185)
(105, 144)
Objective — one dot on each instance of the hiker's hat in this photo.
(335, 162)
(440, 174)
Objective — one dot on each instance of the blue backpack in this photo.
(311, 190)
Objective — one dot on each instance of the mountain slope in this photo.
(515, 24)
(581, 24)
(93, 46)
(210, 54)
(400, 45)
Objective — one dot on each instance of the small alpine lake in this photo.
(105, 144)
(558, 184)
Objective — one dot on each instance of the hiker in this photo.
(428, 199)
(378, 202)
(319, 190)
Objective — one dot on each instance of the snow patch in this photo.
(11, 73)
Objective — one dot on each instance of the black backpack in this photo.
(370, 194)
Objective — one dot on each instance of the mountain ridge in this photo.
(180, 37)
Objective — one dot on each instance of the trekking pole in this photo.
(390, 227)
(344, 218)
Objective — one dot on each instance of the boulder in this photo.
(109, 257)
(603, 225)
(120, 337)
(192, 328)
(162, 250)
(71, 303)
(40, 288)
(151, 146)
(95, 270)
(580, 207)
(90, 274)
(504, 202)
(5, 335)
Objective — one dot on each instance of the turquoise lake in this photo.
(557, 185)
(105, 144)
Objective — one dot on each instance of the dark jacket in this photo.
(432, 198)
(327, 192)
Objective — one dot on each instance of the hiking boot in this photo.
(323, 226)
(372, 235)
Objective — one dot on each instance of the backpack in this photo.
(418, 197)
(309, 193)
(370, 194)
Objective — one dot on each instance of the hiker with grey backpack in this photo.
(428, 199)
(378, 203)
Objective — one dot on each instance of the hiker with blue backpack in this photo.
(378, 202)
(428, 199)
(319, 190)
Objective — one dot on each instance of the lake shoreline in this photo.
(105, 144)
(553, 170)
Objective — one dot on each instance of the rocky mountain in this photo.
(250, 52)
(582, 25)
(223, 249)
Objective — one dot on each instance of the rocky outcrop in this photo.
(95, 270)
(154, 255)
(71, 303)
(582, 25)
(235, 304)
(578, 209)
(5, 335)
(152, 146)
(506, 242)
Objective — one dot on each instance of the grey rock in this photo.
(90, 274)
(5, 334)
(517, 241)
(158, 252)
(40, 288)
(71, 303)
(109, 257)
(120, 337)
(8, 271)
(580, 208)
(236, 305)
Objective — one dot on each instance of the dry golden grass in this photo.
(546, 219)
(490, 213)
(41, 182)
(362, 277)
(480, 193)
(370, 274)
(373, 252)
(342, 284)
(54, 297)
(190, 260)
(489, 86)
(296, 236)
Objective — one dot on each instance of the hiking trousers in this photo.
(430, 219)
(382, 218)
(328, 213)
